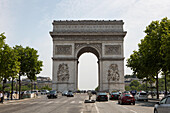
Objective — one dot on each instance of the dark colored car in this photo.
(101, 97)
(126, 98)
(70, 94)
(114, 96)
(52, 94)
(93, 92)
(163, 106)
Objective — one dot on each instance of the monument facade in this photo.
(73, 38)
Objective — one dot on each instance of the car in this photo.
(44, 92)
(101, 97)
(126, 98)
(64, 93)
(114, 96)
(142, 95)
(70, 94)
(163, 106)
(93, 92)
(52, 94)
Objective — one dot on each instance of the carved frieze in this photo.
(63, 73)
(113, 73)
(88, 38)
(112, 49)
(98, 46)
(63, 49)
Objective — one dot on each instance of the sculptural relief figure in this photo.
(113, 73)
(63, 72)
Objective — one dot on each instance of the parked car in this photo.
(93, 92)
(163, 106)
(52, 94)
(70, 94)
(114, 96)
(44, 92)
(126, 98)
(101, 97)
(64, 93)
(142, 95)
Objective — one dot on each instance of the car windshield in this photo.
(168, 100)
(128, 95)
(102, 94)
(143, 94)
(52, 91)
(115, 93)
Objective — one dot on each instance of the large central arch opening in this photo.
(88, 69)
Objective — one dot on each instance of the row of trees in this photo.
(18, 61)
(153, 55)
(148, 86)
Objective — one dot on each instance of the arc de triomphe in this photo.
(73, 38)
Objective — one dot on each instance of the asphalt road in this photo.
(73, 105)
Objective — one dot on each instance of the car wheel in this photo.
(155, 111)
(133, 103)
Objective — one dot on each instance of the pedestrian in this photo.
(8, 94)
(1, 97)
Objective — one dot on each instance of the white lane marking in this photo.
(96, 108)
(80, 102)
(64, 101)
(72, 102)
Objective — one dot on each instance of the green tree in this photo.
(165, 48)
(8, 64)
(127, 88)
(34, 66)
(30, 65)
(134, 83)
(150, 59)
(2, 40)
(46, 87)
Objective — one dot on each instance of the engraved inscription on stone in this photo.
(63, 72)
(112, 49)
(63, 50)
(113, 73)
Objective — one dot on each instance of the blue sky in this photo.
(28, 22)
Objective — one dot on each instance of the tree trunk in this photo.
(19, 86)
(165, 85)
(157, 86)
(3, 87)
(12, 85)
(31, 86)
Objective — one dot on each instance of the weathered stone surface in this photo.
(73, 38)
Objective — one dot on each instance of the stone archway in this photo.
(92, 49)
(73, 38)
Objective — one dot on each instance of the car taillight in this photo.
(112, 96)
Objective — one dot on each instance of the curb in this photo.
(12, 101)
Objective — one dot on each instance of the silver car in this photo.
(163, 106)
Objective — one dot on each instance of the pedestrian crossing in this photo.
(43, 102)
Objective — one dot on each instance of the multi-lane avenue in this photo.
(74, 104)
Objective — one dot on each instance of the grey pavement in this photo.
(75, 104)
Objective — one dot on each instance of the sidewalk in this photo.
(18, 100)
(154, 97)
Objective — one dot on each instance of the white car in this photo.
(142, 95)
(163, 106)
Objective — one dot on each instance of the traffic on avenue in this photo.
(87, 102)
